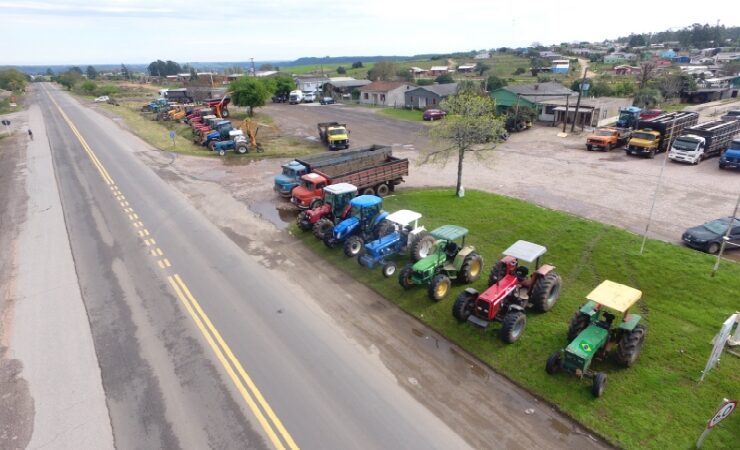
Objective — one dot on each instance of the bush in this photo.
(519, 70)
(107, 89)
(444, 79)
(88, 87)
(341, 70)
(424, 82)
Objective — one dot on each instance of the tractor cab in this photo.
(594, 333)
(365, 208)
(338, 197)
(360, 226)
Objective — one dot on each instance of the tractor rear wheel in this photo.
(242, 149)
(385, 228)
(439, 287)
(554, 363)
(630, 346)
(422, 246)
(599, 384)
(389, 269)
(352, 246)
(302, 221)
(382, 190)
(328, 238)
(464, 304)
(513, 326)
(321, 227)
(578, 323)
(471, 268)
(404, 277)
(546, 292)
(497, 272)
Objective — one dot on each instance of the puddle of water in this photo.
(280, 217)
(560, 427)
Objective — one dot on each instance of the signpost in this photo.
(719, 344)
(725, 409)
(172, 136)
(7, 126)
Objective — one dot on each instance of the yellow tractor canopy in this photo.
(618, 297)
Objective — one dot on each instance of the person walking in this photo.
(30, 134)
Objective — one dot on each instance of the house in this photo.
(626, 69)
(343, 88)
(667, 54)
(385, 93)
(560, 66)
(725, 57)
(467, 68)
(618, 57)
(592, 112)
(550, 55)
(417, 71)
(681, 59)
(538, 96)
(424, 97)
(436, 71)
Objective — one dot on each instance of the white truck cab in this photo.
(688, 148)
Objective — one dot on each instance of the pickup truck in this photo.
(334, 134)
(608, 138)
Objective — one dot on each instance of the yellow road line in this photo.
(166, 262)
(145, 231)
(161, 264)
(247, 379)
(158, 251)
(131, 217)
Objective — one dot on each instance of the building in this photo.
(592, 111)
(424, 97)
(310, 84)
(385, 93)
(725, 57)
(560, 66)
(436, 71)
(341, 88)
(626, 69)
(466, 68)
(538, 96)
(619, 57)
(417, 71)
(483, 55)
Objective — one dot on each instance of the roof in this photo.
(313, 177)
(340, 188)
(349, 83)
(449, 232)
(443, 90)
(438, 68)
(526, 251)
(385, 86)
(365, 201)
(549, 88)
(618, 297)
(404, 216)
(467, 66)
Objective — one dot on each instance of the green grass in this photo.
(5, 107)
(330, 70)
(403, 114)
(657, 403)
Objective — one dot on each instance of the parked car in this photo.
(280, 98)
(102, 99)
(434, 114)
(327, 101)
(708, 237)
(309, 97)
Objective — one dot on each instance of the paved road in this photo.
(202, 345)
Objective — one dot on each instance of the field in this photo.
(657, 403)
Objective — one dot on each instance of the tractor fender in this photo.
(545, 269)
(465, 251)
(472, 291)
(345, 228)
(379, 218)
(515, 307)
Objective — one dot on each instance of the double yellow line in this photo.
(254, 399)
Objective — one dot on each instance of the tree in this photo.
(162, 69)
(357, 65)
(670, 85)
(519, 70)
(482, 68)
(124, 72)
(470, 126)
(249, 91)
(341, 70)
(470, 86)
(193, 74)
(647, 98)
(282, 84)
(493, 82)
(69, 79)
(382, 71)
(91, 73)
(444, 79)
(647, 73)
(88, 87)
(266, 67)
(636, 40)
(12, 80)
(75, 69)
(49, 72)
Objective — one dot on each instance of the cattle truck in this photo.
(703, 141)
(657, 134)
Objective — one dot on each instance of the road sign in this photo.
(719, 344)
(725, 410)
(6, 122)
(172, 135)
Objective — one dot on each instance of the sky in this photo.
(141, 31)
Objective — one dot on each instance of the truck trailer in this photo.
(345, 159)
(704, 140)
(657, 134)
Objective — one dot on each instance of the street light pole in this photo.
(725, 238)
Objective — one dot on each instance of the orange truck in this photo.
(607, 138)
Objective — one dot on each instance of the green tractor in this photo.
(447, 261)
(592, 334)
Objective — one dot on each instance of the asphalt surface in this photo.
(203, 342)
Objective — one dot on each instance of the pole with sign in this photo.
(172, 136)
(725, 409)
(7, 126)
(719, 344)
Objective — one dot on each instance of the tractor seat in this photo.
(451, 249)
(606, 322)
(521, 273)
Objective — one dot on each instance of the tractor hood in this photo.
(345, 227)
(428, 262)
(376, 246)
(588, 342)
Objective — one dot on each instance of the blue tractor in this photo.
(238, 143)
(399, 233)
(362, 225)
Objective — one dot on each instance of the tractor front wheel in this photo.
(554, 363)
(630, 346)
(578, 323)
(404, 277)
(302, 221)
(464, 304)
(439, 287)
(321, 227)
(242, 149)
(352, 246)
(422, 246)
(546, 292)
(389, 269)
(471, 268)
(328, 238)
(513, 326)
(497, 272)
(222, 152)
(599, 384)
(315, 203)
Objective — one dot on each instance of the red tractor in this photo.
(334, 208)
(512, 289)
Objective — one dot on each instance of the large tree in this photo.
(249, 91)
(91, 73)
(12, 80)
(382, 71)
(470, 126)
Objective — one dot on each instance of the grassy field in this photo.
(403, 114)
(5, 107)
(655, 404)
(330, 70)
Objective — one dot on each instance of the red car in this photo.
(434, 114)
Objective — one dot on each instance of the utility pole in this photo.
(565, 119)
(254, 72)
(578, 102)
(725, 238)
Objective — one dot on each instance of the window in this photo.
(434, 101)
(549, 109)
(365, 96)
(382, 98)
